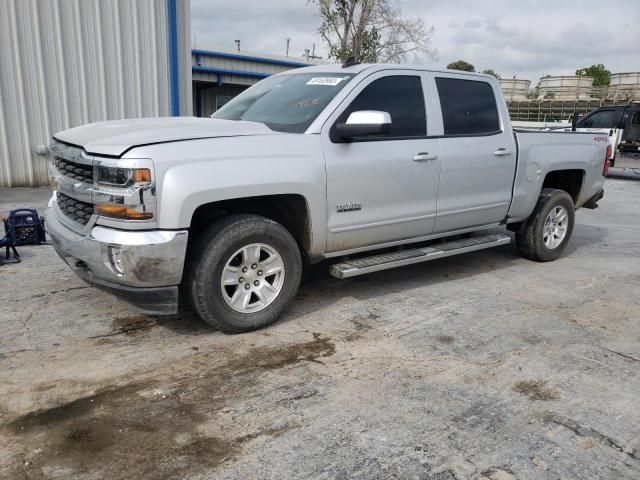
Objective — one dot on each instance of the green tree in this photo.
(490, 71)
(461, 65)
(371, 31)
(601, 76)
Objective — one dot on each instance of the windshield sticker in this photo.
(330, 81)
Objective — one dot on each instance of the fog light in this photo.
(115, 255)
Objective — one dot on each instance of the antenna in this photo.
(237, 44)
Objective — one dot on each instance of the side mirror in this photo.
(363, 123)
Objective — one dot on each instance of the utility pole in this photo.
(306, 54)
(237, 44)
(288, 39)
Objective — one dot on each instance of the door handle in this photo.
(502, 152)
(425, 157)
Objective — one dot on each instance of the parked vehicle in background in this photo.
(621, 123)
(376, 166)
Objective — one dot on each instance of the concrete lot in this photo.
(485, 366)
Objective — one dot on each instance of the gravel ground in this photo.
(483, 366)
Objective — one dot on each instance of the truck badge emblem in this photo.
(348, 207)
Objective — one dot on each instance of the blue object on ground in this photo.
(28, 227)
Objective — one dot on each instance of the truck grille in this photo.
(75, 209)
(77, 171)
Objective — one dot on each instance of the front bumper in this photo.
(142, 267)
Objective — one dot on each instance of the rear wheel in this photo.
(245, 271)
(549, 228)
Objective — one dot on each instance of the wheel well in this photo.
(289, 210)
(568, 180)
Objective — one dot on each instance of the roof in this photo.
(374, 67)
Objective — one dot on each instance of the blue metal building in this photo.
(220, 75)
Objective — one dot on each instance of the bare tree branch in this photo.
(372, 30)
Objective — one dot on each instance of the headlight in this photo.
(124, 189)
(122, 177)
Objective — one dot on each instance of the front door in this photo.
(382, 189)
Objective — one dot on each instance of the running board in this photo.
(360, 266)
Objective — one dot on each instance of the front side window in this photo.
(401, 97)
(286, 103)
(468, 107)
(601, 119)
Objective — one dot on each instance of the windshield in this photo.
(285, 103)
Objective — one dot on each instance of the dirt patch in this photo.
(118, 430)
(132, 325)
(536, 390)
(269, 358)
(585, 443)
(271, 432)
(446, 339)
(501, 473)
(531, 339)
(352, 337)
(362, 324)
(153, 429)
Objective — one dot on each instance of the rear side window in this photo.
(468, 107)
(399, 95)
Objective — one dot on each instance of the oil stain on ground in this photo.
(132, 324)
(536, 390)
(446, 339)
(132, 429)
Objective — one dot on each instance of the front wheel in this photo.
(548, 229)
(245, 271)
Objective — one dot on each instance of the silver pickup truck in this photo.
(373, 166)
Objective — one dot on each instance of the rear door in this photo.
(478, 153)
(384, 188)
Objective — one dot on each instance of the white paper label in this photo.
(330, 81)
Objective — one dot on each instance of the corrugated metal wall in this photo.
(65, 63)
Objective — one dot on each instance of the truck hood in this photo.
(114, 138)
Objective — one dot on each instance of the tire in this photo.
(531, 239)
(230, 247)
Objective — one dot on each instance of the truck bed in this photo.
(543, 151)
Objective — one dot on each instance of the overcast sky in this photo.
(524, 38)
